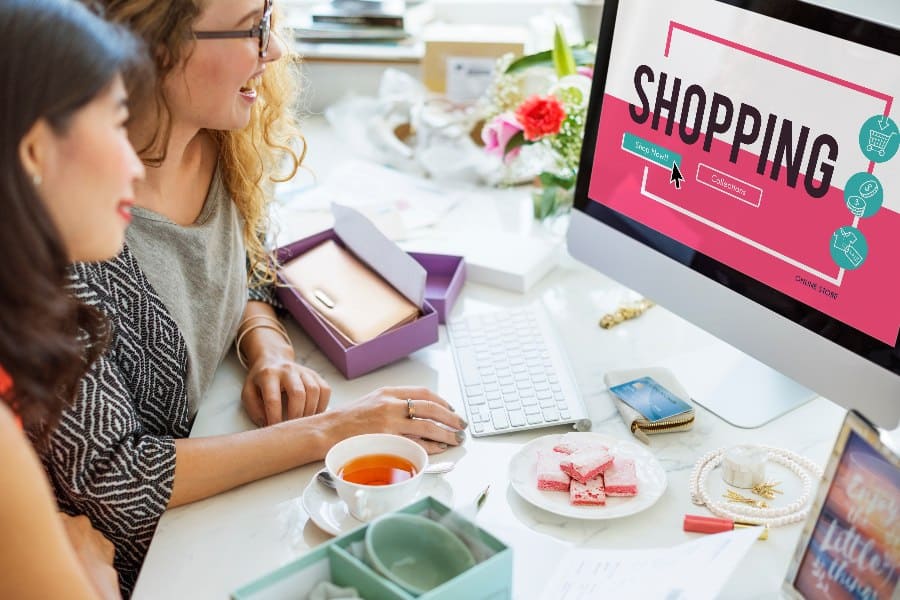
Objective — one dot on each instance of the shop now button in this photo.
(728, 185)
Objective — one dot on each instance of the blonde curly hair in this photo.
(251, 159)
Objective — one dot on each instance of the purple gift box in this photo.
(445, 276)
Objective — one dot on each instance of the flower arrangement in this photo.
(537, 104)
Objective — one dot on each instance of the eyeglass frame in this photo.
(262, 30)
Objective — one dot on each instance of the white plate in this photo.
(329, 512)
(651, 478)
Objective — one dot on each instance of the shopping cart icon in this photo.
(878, 141)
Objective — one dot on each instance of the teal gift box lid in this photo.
(334, 561)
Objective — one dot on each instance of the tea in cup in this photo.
(376, 473)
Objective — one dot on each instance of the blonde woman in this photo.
(178, 295)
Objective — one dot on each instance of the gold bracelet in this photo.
(623, 313)
(237, 343)
(266, 317)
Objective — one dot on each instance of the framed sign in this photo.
(850, 546)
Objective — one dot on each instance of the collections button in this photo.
(732, 186)
(650, 151)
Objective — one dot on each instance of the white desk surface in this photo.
(210, 548)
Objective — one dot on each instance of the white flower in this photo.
(574, 88)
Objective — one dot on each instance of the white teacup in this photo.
(365, 502)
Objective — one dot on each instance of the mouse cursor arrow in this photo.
(676, 176)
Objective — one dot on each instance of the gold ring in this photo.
(410, 409)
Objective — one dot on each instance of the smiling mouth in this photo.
(249, 89)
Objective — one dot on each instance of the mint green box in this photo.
(490, 579)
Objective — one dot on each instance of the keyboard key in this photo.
(532, 409)
(534, 419)
(467, 365)
(492, 395)
(529, 401)
(478, 427)
(516, 418)
(498, 418)
(550, 414)
(498, 403)
(473, 390)
(476, 399)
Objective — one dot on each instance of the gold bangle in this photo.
(266, 317)
(237, 343)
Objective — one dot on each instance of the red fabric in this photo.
(5, 386)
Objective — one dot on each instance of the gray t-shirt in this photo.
(199, 272)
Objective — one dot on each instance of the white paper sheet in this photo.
(695, 570)
(399, 204)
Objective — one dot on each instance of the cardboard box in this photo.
(470, 49)
(333, 561)
(359, 359)
(446, 275)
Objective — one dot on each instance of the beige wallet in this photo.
(357, 303)
(640, 426)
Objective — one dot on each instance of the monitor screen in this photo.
(756, 143)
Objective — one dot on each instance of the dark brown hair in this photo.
(55, 57)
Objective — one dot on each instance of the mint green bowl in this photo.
(414, 552)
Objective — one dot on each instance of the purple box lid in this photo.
(444, 281)
(358, 359)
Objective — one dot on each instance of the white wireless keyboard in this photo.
(512, 373)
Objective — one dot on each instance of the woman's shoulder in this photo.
(99, 283)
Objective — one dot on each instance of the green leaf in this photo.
(563, 61)
(552, 180)
(583, 54)
(515, 142)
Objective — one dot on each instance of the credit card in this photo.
(651, 399)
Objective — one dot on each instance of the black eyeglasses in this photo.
(262, 31)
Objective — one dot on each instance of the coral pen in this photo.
(702, 524)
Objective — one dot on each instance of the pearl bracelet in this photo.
(773, 517)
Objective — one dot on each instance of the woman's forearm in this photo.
(262, 340)
(208, 466)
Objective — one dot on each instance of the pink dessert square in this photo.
(549, 475)
(573, 442)
(587, 463)
(620, 479)
(590, 493)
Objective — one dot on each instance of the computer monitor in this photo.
(741, 168)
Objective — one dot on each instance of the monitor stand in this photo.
(739, 389)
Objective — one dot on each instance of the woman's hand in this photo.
(95, 553)
(433, 425)
(278, 389)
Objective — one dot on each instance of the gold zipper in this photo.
(658, 426)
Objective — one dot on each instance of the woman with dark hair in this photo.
(67, 172)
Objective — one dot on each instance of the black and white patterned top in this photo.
(112, 457)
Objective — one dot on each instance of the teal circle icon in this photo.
(879, 138)
(849, 247)
(863, 195)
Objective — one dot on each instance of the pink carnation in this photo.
(498, 132)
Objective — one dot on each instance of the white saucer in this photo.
(329, 512)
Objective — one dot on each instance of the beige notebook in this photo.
(357, 303)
